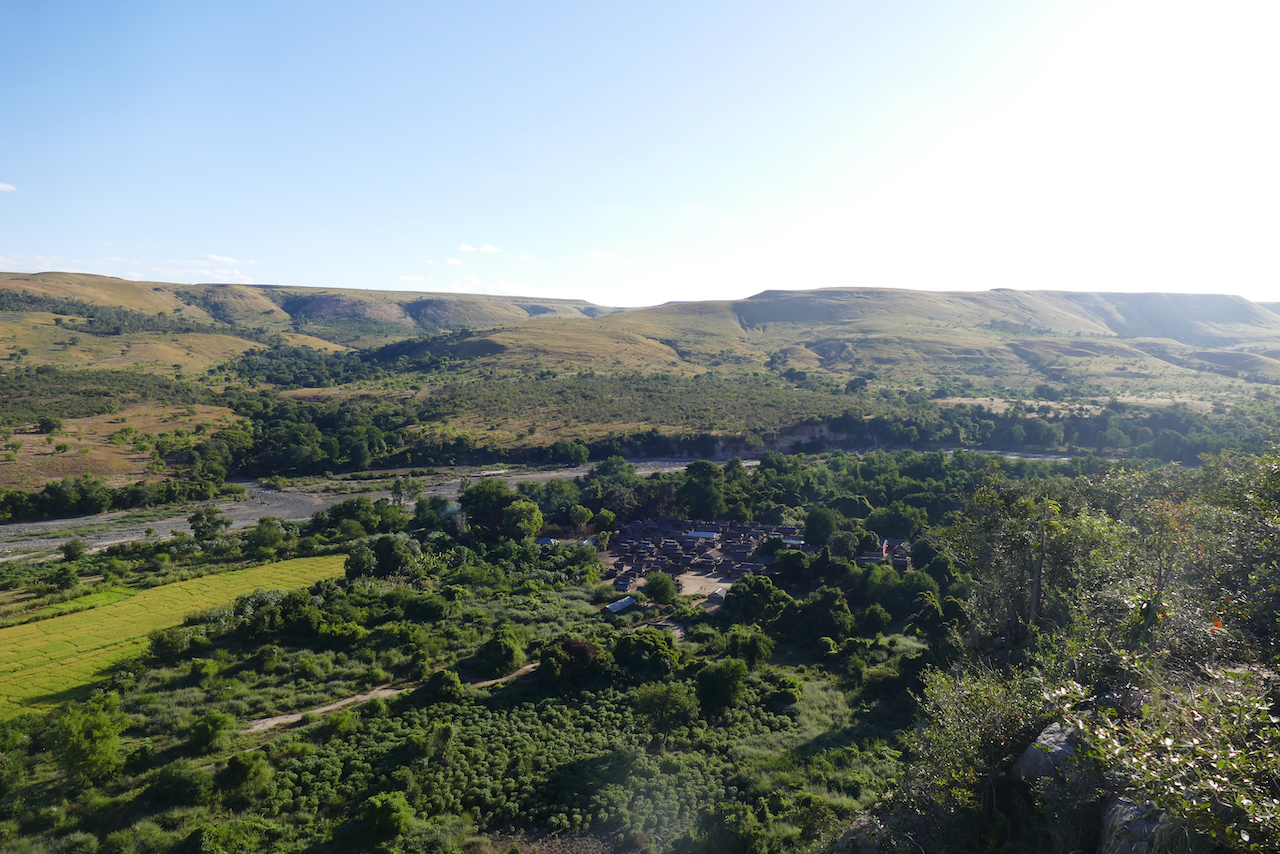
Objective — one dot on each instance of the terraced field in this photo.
(46, 662)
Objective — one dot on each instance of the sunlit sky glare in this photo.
(637, 153)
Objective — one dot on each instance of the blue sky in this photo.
(632, 154)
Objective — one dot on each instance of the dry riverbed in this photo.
(292, 503)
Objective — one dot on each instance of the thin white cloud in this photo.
(603, 256)
(194, 270)
(526, 257)
(7, 188)
(411, 278)
(219, 259)
(465, 248)
(454, 261)
(42, 263)
(431, 263)
(483, 247)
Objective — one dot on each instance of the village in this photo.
(705, 558)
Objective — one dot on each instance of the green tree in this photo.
(755, 599)
(819, 525)
(443, 686)
(85, 738)
(978, 723)
(661, 588)
(721, 684)
(396, 555)
(501, 654)
(521, 520)
(750, 644)
(579, 516)
(360, 562)
(897, 520)
(212, 731)
(208, 524)
(388, 814)
(569, 658)
(646, 651)
(64, 577)
(485, 503)
(665, 706)
(73, 549)
(268, 537)
(702, 495)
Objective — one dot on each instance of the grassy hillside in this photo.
(515, 374)
(1129, 345)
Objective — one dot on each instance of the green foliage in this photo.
(646, 652)
(501, 654)
(184, 783)
(208, 524)
(85, 738)
(1209, 756)
(443, 686)
(569, 659)
(721, 684)
(661, 588)
(521, 520)
(819, 525)
(749, 644)
(665, 706)
(976, 724)
(875, 619)
(212, 731)
(388, 814)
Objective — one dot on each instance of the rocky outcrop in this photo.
(1053, 756)
(1131, 828)
(867, 835)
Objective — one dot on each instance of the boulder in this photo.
(864, 836)
(1130, 828)
(1053, 755)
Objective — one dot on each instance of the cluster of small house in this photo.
(677, 546)
(897, 552)
(728, 549)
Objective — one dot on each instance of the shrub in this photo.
(388, 814)
(73, 549)
(978, 724)
(720, 685)
(184, 782)
(211, 732)
(443, 686)
(876, 619)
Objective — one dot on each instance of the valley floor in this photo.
(292, 503)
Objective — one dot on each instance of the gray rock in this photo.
(864, 836)
(1053, 756)
(1130, 828)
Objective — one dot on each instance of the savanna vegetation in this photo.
(1133, 606)
(1120, 593)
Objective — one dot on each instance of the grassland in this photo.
(45, 662)
(93, 450)
(1137, 345)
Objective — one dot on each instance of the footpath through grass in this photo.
(45, 662)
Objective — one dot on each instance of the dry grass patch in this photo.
(92, 452)
(313, 342)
